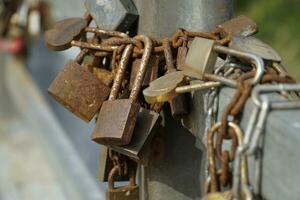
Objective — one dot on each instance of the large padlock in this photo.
(127, 192)
(117, 118)
(79, 90)
(200, 58)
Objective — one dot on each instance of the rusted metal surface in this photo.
(78, 91)
(178, 104)
(103, 75)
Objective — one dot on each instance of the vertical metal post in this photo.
(178, 175)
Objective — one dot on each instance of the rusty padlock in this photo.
(178, 104)
(78, 90)
(127, 192)
(105, 164)
(105, 132)
(123, 113)
(200, 59)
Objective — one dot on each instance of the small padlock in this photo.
(127, 192)
(117, 119)
(241, 25)
(78, 90)
(151, 72)
(178, 104)
(200, 58)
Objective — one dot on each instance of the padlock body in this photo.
(123, 193)
(179, 106)
(116, 122)
(79, 91)
(181, 56)
(200, 58)
(147, 124)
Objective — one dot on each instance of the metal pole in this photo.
(178, 175)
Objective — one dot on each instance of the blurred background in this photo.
(46, 152)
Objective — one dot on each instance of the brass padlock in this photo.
(127, 192)
(200, 58)
(78, 90)
(117, 119)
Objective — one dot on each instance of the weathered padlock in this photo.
(123, 113)
(147, 124)
(178, 104)
(255, 46)
(59, 38)
(127, 192)
(117, 111)
(240, 25)
(200, 58)
(181, 55)
(105, 164)
(78, 90)
(151, 72)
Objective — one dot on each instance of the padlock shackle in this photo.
(137, 84)
(120, 72)
(252, 58)
(113, 172)
(79, 58)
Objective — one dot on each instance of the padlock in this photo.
(116, 110)
(117, 118)
(127, 192)
(105, 164)
(59, 38)
(178, 104)
(151, 72)
(200, 58)
(146, 126)
(241, 25)
(181, 56)
(255, 46)
(78, 90)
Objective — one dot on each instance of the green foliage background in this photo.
(279, 25)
